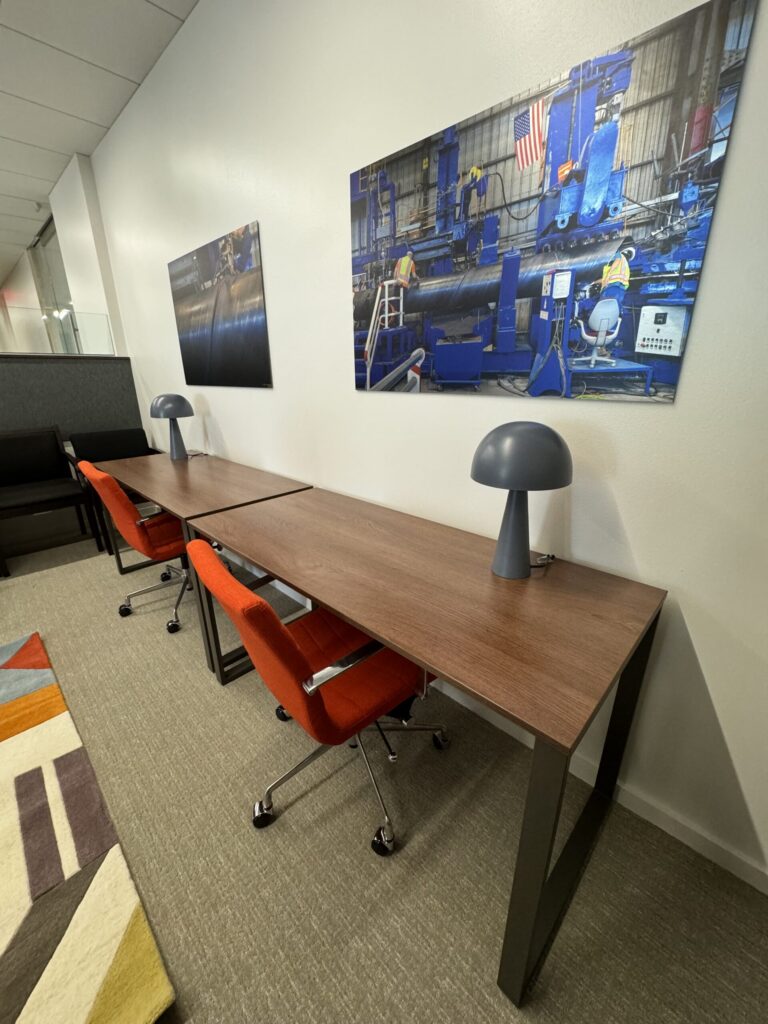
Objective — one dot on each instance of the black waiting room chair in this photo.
(102, 446)
(36, 476)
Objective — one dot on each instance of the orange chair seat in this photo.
(324, 637)
(355, 699)
(165, 537)
(286, 656)
(362, 694)
(160, 538)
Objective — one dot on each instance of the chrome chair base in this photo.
(171, 576)
(383, 842)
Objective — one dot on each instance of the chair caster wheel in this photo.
(173, 626)
(441, 740)
(282, 714)
(123, 610)
(165, 576)
(262, 817)
(383, 847)
(392, 758)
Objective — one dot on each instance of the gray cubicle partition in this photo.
(77, 393)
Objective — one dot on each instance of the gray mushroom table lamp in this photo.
(170, 407)
(520, 457)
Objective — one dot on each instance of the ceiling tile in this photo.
(22, 207)
(23, 187)
(28, 226)
(7, 249)
(40, 73)
(40, 126)
(181, 8)
(17, 237)
(124, 36)
(7, 263)
(32, 160)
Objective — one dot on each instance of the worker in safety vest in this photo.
(405, 270)
(613, 285)
(615, 276)
(477, 183)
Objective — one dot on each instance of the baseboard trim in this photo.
(583, 768)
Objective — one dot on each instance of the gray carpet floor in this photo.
(302, 922)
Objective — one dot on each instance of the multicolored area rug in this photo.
(75, 944)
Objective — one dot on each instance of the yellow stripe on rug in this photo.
(136, 988)
(70, 983)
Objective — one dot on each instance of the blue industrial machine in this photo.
(464, 310)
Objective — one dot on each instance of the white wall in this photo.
(674, 496)
(74, 206)
(22, 330)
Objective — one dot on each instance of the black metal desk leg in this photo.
(623, 713)
(114, 546)
(188, 534)
(542, 813)
(92, 522)
(540, 898)
(102, 523)
(227, 666)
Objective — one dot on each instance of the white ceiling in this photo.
(67, 69)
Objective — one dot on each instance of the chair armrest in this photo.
(325, 675)
(73, 460)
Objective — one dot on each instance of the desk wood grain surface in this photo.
(544, 652)
(199, 485)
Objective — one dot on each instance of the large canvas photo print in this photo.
(553, 244)
(218, 300)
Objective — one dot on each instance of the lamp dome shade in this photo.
(523, 456)
(167, 407)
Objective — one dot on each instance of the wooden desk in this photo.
(544, 652)
(194, 487)
(199, 485)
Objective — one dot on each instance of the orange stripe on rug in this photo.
(30, 710)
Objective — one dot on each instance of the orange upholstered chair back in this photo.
(275, 654)
(124, 513)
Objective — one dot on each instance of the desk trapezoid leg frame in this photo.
(188, 533)
(225, 666)
(540, 897)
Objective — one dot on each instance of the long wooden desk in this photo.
(198, 486)
(544, 652)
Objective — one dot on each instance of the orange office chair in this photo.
(329, 676)
(158, 537)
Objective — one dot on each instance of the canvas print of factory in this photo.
(553, 244)
(218, 299)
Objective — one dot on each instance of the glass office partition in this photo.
(54, 326)
(60, 331)
(50, 277)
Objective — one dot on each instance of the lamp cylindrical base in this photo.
(512, 559)
(178, 449)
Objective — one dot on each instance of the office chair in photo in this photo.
(158, 537)
(330, 677)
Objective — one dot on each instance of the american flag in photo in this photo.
(529, 135)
